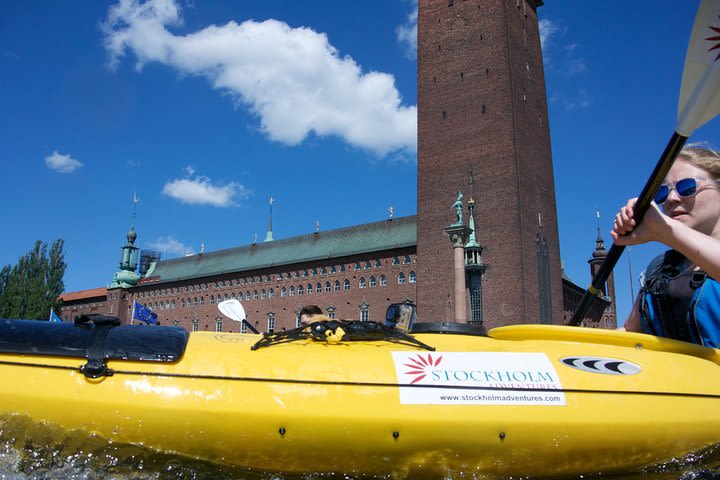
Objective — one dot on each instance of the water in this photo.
(31, 451)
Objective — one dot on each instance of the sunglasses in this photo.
(687, 187)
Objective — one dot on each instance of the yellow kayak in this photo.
(526, 400)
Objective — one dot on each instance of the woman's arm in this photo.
(632, 323)
(701, 249)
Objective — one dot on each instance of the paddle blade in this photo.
(699, 98)
(232, 309)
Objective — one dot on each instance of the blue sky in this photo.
(208, 109)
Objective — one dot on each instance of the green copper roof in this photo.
(358, 239)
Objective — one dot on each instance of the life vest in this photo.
(683, 305)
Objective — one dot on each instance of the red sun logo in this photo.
(715, 39)
(419, 366)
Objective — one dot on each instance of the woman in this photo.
(680, 296)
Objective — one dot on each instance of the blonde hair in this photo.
(702, 155)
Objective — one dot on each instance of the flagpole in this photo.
(632, 289)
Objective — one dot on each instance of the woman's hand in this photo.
(627, 232)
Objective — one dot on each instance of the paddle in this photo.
(235, 311)
(699, 102)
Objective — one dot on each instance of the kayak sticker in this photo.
(607, 366)
(477, 378)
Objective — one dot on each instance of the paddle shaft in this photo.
(643, 203)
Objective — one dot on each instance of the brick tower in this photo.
(482, 108)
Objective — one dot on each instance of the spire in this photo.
(600, 251)
(269, 237)
(126, 276)
(472, 242)
(132, 235)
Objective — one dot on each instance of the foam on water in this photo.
(39, 451)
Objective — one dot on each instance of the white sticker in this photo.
(480, 378)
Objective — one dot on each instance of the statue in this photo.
(458, 206)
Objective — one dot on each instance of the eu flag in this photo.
(53, 317)
(143, 314)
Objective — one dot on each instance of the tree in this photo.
(31, 288)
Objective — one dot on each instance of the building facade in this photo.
(351, 273)
(482, 108)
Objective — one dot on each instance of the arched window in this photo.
(318, 288)
(233, 295)
(271, 293)
(332, 269)
(292, 291)
(218, 324)
(182, 303)
(378, 263)
(195, 325)
(247, 295)
(167, 304)
(212, 299)
(309, 289)
(188, 303)
(328, 288)
(396, 261)
(412, 278)
(283, 292)
(383, 280)
(255, 294)
(172, 304)
(301, 290)
(195, 301)
(364, 312)
(226, 296)
(337, 285)
(271, 322)
(263, 294)
(406, 260)
(368, 265)
(361, 282)
(373, 281)
(202, 300)
(401, 278)
(346, 284)
(357, 266)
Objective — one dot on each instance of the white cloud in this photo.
(169, 246)
(200, 190)
(293, 79)
(547, 28)
(407, 32)
(62, 163)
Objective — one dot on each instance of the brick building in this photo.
(482, 112)
(351, 273)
